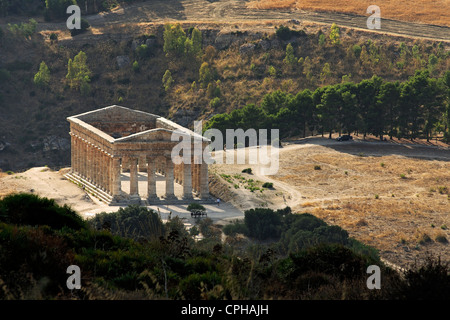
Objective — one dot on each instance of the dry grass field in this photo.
(394, 197)
(425, 11)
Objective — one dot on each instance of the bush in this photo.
(247, 170)
(262, 223)
(285, 33)
(33, 262)
(136, 66)
(30, 209)
(317, 167)
(84, 26)
(428, 281)
(132, 222)
(195, 206)
(143, 51)
(237, 227)
(268, 185)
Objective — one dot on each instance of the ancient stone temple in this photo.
(116, 150)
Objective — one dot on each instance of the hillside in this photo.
(246, 63)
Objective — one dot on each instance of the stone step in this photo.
(89, 187)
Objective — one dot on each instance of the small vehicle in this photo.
(344, 137)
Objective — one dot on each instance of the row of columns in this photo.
(92, 164)
(104, 171)
(181, 173)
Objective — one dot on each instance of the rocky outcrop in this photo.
(122, 61)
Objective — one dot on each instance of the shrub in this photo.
(428, 281)
(441, 238)
(214, 103)
(30, 209)
(143, 51)
(195, 206)
(136, 66)
(285, 33)
(262, 223)
(268, 185)
(317, 167)
(357, 50)
(84, 24)
(132, 222)
(237, 227)
(53, 36)
(247, 170)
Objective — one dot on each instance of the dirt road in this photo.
(232, 11)
(236, 11)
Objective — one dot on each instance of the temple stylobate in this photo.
(114, 148)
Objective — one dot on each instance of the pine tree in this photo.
(42, 77)
(335, 35)
(167, 80)
(290, 58)
(77, 71)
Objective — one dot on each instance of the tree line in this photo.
(416, 108)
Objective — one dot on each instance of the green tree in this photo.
(205, 75)
(326, 72)
(167, 80)
(77, 71)
(335, 35)
(56, 9)
(42, 77)
(322, 39)
(290, 58)
(174, 40)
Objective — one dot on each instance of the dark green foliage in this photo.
(237, 227)
(285, 33)
(143, 51)
(133, 221)
(56, 9)
(429, 280)
(412, 109)
(195, 206)
(263, 223)
(30, 209)
(30, 258)
(84, 27)
(268, 185)
(247, 170)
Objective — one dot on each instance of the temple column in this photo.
(115, 179)
(204, 181)
(134, 179)
(187, 181)
(72, 153)
(90, 162)
(82, 158)
(151, 179)
(169, 179)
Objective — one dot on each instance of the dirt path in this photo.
(232, 11)
(236, 11)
